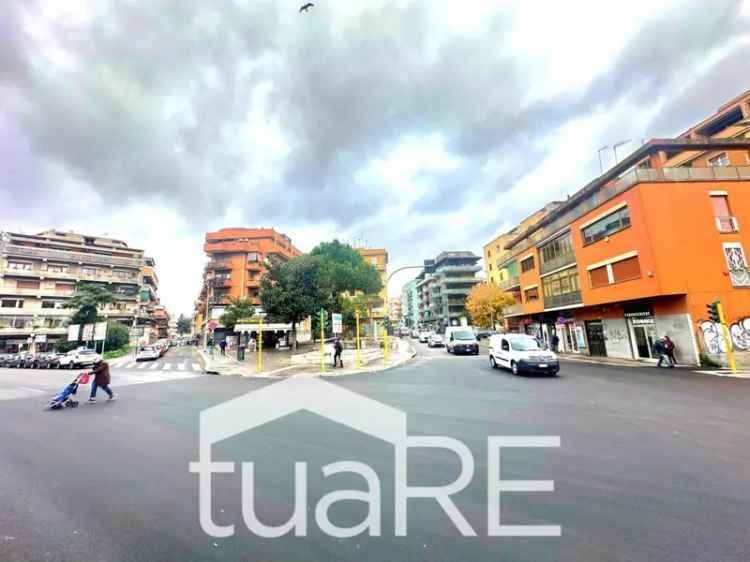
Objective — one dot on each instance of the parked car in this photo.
(436, 340)
(404, 332)
(77, 358)
(147, 353)
(8, 359)
(424, 336)
(521, 353)
(460, 339)
(18, 360)
(46, 360)
(415, 333)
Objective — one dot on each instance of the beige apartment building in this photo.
(39, 273)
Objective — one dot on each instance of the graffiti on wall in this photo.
(713, 339)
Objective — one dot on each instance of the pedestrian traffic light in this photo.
(713, 311)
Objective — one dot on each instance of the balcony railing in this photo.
(557, 262)
(625, 182)
(65, 256)
(509, 283)
(566, 299)
(513, 309)
(72, 274)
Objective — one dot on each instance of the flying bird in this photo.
(306, 7)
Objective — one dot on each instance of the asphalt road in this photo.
(653, 465)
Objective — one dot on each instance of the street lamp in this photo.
(601, 164)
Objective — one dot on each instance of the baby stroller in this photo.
(66, 397)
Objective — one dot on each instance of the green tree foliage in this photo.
(343, 270)
(183, 325)
(238, 309)
(362, 303)
(118, 336)
(87, 300)
(290, 291)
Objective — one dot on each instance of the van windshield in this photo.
(465, 335)
(524, 344)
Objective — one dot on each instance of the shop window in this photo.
(527, 264)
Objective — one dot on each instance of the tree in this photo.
(485, 304)
(362, 303)
(290, 291)
(118, 336)
(238, 309)
(343, 270)
(183, 325)
(87, 299)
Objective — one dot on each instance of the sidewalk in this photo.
(278, 364)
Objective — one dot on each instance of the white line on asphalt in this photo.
(143, 365)
(181, 366)
(196, 367)
(154, 366)
(167, 366)
(29, 389)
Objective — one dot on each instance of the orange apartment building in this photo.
(238, 259)
(643, 249)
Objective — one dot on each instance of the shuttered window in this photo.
(599, 277)
(27, 284)
(626, 269)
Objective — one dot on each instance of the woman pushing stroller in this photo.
(101, 380)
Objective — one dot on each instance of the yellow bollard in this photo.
(358, 361)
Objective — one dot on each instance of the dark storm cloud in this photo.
(153, 99)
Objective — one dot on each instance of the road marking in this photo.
(196, 367)
(29, 389)
(727, 373)
(154, 366)
(142, 366)
(181, 366)
(167, 366)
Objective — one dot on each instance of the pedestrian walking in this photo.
(101, 380)
(660, 348)
(223, 346)
(555, 342)
(670, 348)
(337, 351)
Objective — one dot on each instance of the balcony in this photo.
(625, 182)
(557, 262)
(219, 264)
(65, 256)
(567, 299)
(513, 310)
(509, 283)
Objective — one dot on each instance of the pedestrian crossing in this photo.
(185, 366)
(727, 373)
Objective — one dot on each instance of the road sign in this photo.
(337, 323)
(40, 338)
(73, 331)
(100, 331)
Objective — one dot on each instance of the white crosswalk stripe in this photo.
(181, 366)
(167, 367)
(196, 367)
(142, 365)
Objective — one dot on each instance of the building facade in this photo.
(410, 304)
(640, 252)
(238, 259)
(395, 310)
(39, 274)
(443, 286)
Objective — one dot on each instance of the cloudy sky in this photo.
(417, 125)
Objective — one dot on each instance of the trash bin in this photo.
(241, 353)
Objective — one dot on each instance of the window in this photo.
(625, 269)
(531, 295)
(606, 226)
(558, 247)
(725, 222)
(23, 284)
(527, 264)
(23, 265)
(11, 303)
(92, 271)
(561, 283)
(374, 260)
(719, 160)
(53, 304)
(56, 268)
(64, 287)
(505, 346)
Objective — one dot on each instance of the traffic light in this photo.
(713, 311)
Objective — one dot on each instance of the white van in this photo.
(461, 339)
(521, 353)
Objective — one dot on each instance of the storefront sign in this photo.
(40, 338)
(641, 321)
(638, 310)
(73, 331)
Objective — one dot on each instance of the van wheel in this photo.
(514, 367)
(493, 363)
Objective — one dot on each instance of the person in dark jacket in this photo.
(223, 347)
(337, 350)
(670, 348)
(102, 379)
(660, 348)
